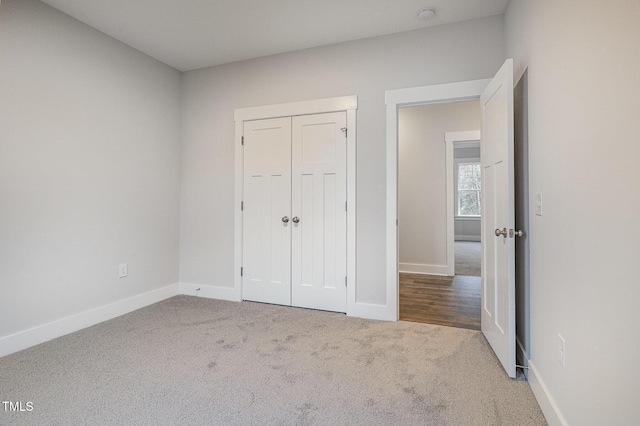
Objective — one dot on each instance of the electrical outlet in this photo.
(562, 351)
(123, 270)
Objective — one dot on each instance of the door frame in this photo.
(454, 140)
(348, 104)
(394, 99)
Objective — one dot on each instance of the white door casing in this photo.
(348, 104)
(394, 99)
(267, 188)
(498, 268)
(295, 217)
(319, 213)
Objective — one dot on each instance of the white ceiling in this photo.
(191, 34)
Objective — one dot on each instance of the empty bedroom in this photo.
(202, 216)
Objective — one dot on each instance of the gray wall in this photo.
(89, 168)
(463, 51)
(583, 90)
(422, 195)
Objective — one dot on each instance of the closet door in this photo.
(318, 210)
(266, 239)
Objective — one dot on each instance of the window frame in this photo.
(457, 163)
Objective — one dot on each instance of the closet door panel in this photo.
(266, 239)
(318, 203)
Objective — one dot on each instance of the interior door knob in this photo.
(503, 232)
(285, 219)
(295, 219)
(518, 233)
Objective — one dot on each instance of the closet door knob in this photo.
(295, 219)
(285, 219)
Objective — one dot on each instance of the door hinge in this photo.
(345, 206)
(344, 130)
(345, 281)
(242, 140)
(241, 206)
(241, 271)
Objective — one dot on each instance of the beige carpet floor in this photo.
(198, 361)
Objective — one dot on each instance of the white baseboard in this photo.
(545, 400)
(419, 268)
(358, 310)
(211, 291)
(467, 238)
(371, 311)
(45, 332)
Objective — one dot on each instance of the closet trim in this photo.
(349, 104)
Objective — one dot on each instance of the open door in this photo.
(498, 219)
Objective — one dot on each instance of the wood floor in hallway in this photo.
(432, 299)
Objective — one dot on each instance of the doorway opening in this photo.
(439, 213)
(498, 267)
(395, 100)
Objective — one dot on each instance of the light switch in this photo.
(538, 203)
(123, 270)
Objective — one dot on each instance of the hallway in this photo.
(433, 299)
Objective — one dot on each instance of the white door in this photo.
(294, 214)
(266, 237)
(319, 223)
(498, 245)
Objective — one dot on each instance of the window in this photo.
(468, 188)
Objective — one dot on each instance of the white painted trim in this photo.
(351, 213)
(449, 138)
(471, 143)
(394, 99)
(474, 238)
(547, 404)
(370, 311)
(318, 106)
(210, 291)
(468, 218)
(237, 211)
(421, 268)
(392, 247)
(437, 93)
(45, 332)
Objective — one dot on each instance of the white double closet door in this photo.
(294, 217)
